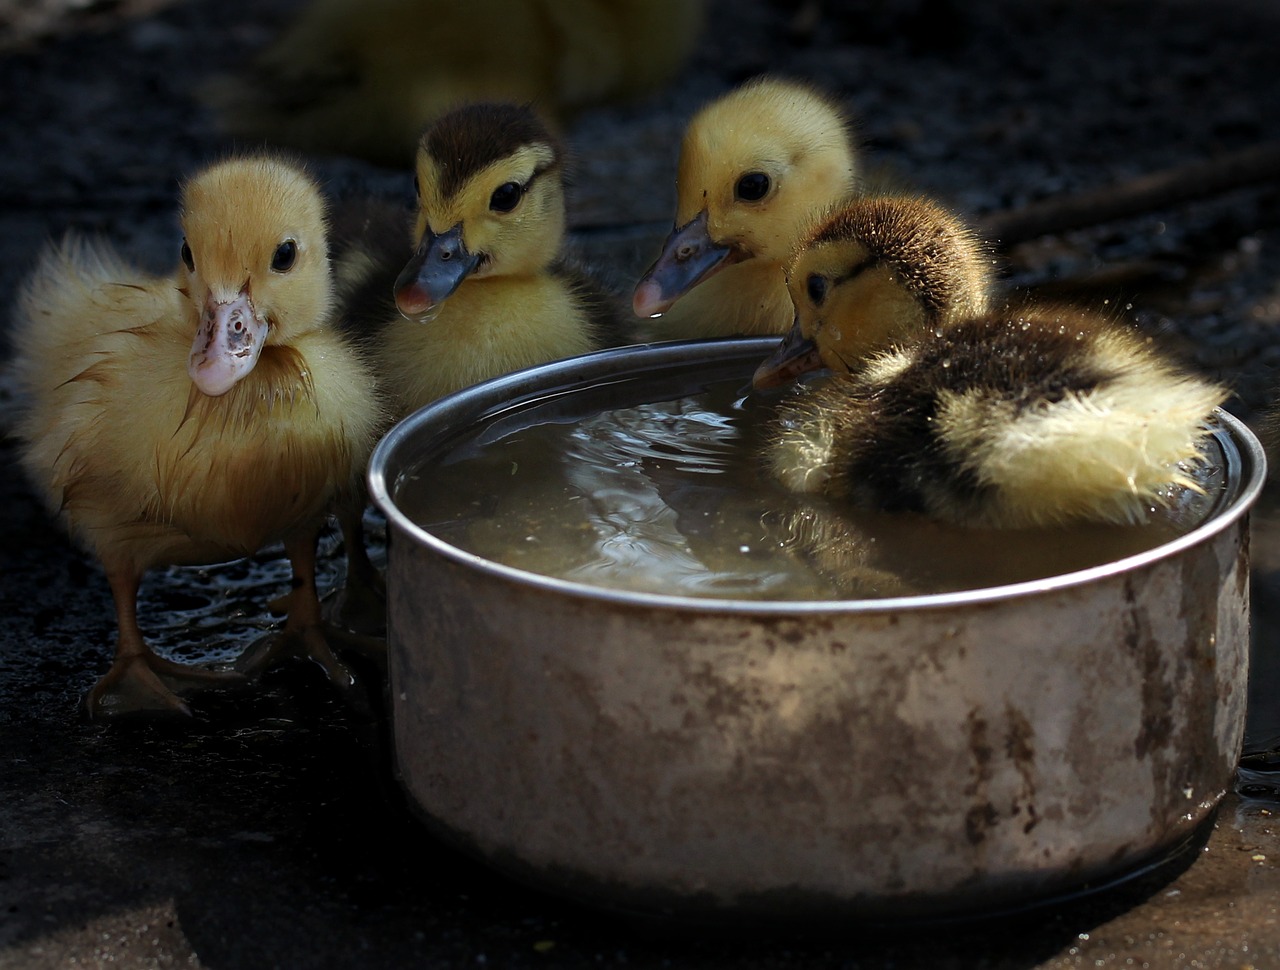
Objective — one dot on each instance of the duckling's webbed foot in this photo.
(306, 636)
(321, 644)
(145, 685)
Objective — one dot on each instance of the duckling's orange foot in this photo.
(144, 685)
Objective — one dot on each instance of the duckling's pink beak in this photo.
(796, 355)
(688, 257)
(227, 344)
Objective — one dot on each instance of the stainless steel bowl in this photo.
(921, 756)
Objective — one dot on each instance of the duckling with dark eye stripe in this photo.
(488, 288)
(1018, 417)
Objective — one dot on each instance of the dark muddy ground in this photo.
(270, 830)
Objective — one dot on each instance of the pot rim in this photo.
(1245, 460)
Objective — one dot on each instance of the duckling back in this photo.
(65, 343)
(1005, 420)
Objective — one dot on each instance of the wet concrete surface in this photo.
(269, 831)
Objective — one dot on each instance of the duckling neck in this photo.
(486, 328)
(748, 298)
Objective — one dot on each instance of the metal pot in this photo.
(920, 756)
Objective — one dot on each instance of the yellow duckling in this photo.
(1016, 417)
(364, 77)
(487, 290)
(755, 168)
(195, 417)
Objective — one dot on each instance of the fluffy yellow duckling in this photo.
(363, 77)
(756, 166)
(485, 291)
(1016, 417)
(195, 417)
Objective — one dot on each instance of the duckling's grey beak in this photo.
(688, 257)
(796, 355)
(438, 268)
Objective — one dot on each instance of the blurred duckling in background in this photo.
(364, 77)
(1037, 415)
(488, 289)
(194, 418)
(757, 166)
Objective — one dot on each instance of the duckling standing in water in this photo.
(488, 289)
(196, 417)
(1028, 416)
(756, 167)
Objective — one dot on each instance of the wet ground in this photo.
(270, 831)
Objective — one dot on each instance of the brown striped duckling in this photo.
(488, 288)
(1023, 416)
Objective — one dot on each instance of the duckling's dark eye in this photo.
(187, 257)
(752, 187)
(817, 287)
(286, 253)
(505, 197)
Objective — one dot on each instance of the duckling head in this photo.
(490, 203)
(255, 266)
(877, 271)
(754, 167)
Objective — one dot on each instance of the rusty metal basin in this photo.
(915, 757)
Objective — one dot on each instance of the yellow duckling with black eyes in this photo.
(488, 289)
(756, 166)
(195, 417)
(1029, 416)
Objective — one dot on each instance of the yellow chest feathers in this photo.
(487, 328)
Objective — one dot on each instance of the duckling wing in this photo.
(97, 365)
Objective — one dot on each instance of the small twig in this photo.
(1147, 193)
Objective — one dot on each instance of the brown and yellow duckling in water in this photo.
(756, 166)
(196, 417)
(1036, 415)
(488, 288)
